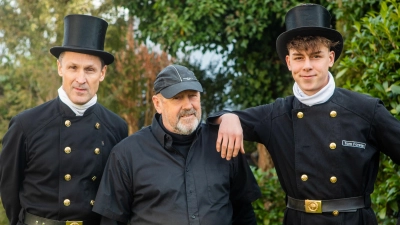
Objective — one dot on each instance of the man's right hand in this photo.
(230, 136)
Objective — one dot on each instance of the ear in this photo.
(331, 58)
(157, 101)
(288, 62)
(59, 68)
(103, 73)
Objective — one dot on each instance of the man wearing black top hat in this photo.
(170, 173)
(324, 141)
(54, 154)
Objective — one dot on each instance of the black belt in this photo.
(31, 219)
(320, 206)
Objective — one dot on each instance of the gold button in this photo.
(304, 177)
(67, 123)
(96, 151)
(67, 150)
(92, 202)
(300, 115)
(335, 213)
(94, 178)
(67, 202)
(333, 114)
(333, 180)
(332, 145)
(67, 177)
(97, 125)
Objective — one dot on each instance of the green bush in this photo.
(371, 65)
(270, 207)
(3, 217)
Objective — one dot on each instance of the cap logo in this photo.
(187, 78)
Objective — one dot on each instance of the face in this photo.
(310, 68)
(181, 114)
(81, 75)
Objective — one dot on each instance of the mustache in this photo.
(187, 112)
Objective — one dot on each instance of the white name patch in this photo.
(353, 144)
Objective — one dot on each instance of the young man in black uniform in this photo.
(324, 141)
(54, 155)
(170, 173)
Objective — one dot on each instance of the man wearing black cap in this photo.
(54, 154)
(170, 173)
(324, 141)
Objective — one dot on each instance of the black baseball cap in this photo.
(174, 79)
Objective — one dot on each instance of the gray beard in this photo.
(186, 130)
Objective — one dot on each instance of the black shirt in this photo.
(147, 182)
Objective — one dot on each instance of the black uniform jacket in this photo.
(52, 160)
(326, 151)
(147, 182)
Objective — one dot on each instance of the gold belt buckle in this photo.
(313, 206)
(74, 223)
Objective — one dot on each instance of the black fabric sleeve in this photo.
(386, 130)
(254, 121)
(243, 213)
(211, 118)
(114, 197)
(108, 221)
(12, 164)
(244, 191)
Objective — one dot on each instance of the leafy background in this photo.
(242, 32)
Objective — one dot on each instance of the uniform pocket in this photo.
(218, 183)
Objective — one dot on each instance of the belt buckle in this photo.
(74, 223)
(313, 206)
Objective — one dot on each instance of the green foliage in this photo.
(386, 195)
(371, 65)
(3, 217)
(372, 56)
(213, 82)
(28, 75)
(243, 32)
(270, 207)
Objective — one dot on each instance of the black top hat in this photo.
(308, 20)
(84, 34)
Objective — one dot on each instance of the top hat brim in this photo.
(105, 56)
(284, 38)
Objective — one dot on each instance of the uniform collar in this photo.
(298, 105)
(162, 137)
(67, 111)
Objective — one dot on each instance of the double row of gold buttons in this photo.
(332, 146)
(68, 150)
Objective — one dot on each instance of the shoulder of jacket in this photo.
(110, 118)
(141, 136)
(361, 104)
(34, 118)
(282, 106)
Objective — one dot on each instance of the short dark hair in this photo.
(304, 43)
